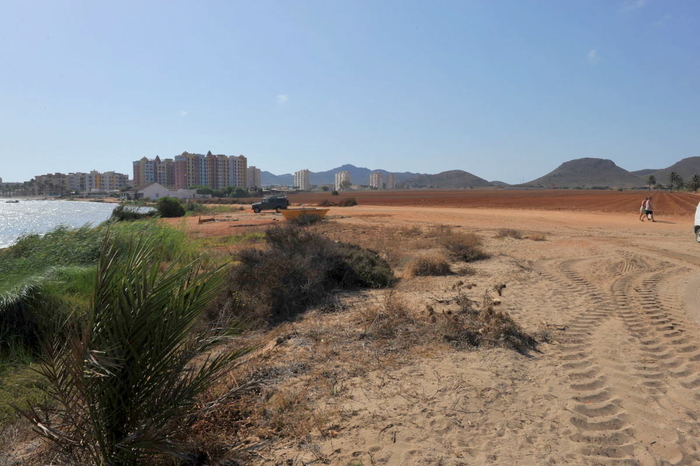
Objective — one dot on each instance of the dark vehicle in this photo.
(276, 203)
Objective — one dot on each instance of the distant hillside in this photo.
(646, 172)
(450, 179)
(686, 168)
(588, 173)
(358, 175)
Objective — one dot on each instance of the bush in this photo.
(509, 233)
(428, 265)
(297, 270)
(305, 220)
(327, 203)
(170, 207)
(122, 377)
(334, 193)
(124, 213)
(464, 247)
(347, 202)
(471, 327)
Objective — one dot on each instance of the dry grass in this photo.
(428, 264)
(537, 237)
(509, 233)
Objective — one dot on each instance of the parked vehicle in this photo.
(276, 203)
(697, 224)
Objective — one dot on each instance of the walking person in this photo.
(650, 210)
(643, 209)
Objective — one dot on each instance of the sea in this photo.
(41, 216)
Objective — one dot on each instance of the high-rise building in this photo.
(187, 169)
(390, 181)
(375, 180)
(302, 180)
(254, 177)
(342, 180)
(238, 171)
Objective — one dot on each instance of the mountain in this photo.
(449, 179)
(588, 173)
(686, 168)
(646, 172)
(358, 175)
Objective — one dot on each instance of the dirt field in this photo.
(556, 199)
(617, 382)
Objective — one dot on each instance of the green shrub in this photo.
(170, 207)
(122, 213)
(334, 193)
(123, 376)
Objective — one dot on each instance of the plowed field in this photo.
(578, 200)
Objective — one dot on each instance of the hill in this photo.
(450, 179)
(587, 173)
(686, 168)
(358, 175)
(646, 172)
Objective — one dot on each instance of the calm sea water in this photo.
(28, 216)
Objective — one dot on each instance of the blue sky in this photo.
(506, 90)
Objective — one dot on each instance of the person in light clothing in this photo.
(643, 209)
(650, 209)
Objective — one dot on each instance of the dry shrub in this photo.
(464, 247)
(387, 318)
(347, 202)
(538, 237)
(305, 220)
(297, 270)
(430, 264)
(509, 233)
(327, 203)
(471, 327)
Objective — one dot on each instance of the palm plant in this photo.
(129, 369)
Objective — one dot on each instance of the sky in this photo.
(505, 90)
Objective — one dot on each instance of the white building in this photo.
(342, 180)
(375, 180)
(390, 181)
(302, 180)
(254, 177)
(156, 191)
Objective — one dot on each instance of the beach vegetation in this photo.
(170, 207)
(122, 376)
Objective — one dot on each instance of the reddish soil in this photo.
(578, 200)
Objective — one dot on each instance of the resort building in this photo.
(375, 180)
(390, 181)
(342, 180)
(254, 178)
(302, 180)
(187, 169)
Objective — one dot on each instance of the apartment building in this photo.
(390, 181)
(153, 171)
(302, 180)
(342, 180)
(59, 183)
(254, 178)
(188, 169)
(375, 180)
(238, 171)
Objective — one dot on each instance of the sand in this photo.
(617, 383)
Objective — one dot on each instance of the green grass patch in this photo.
(248, 238)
